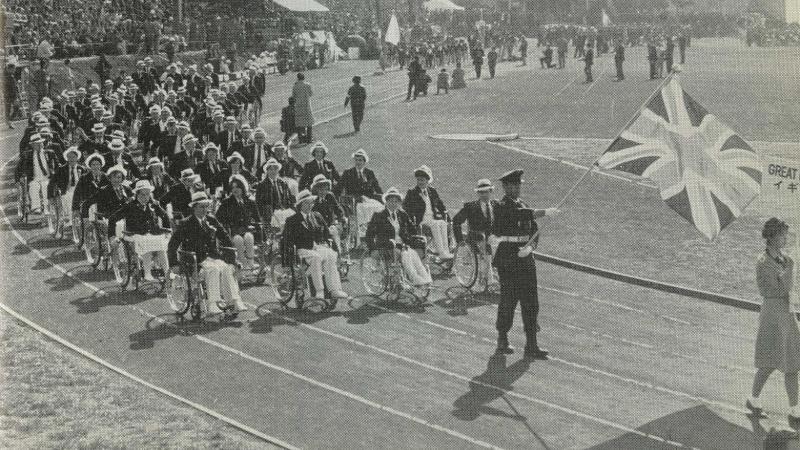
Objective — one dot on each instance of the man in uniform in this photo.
(619, 58)
(588, 60)
(513, 225)
(356, 97)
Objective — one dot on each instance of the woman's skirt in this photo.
(778, 338)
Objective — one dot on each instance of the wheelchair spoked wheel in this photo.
(182, 296)
(129, 267)
(373, 274)
(284, 282)
(97, 249)
(465, 265)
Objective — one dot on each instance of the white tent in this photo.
(392, 31)
(301, 5)
(441, 5)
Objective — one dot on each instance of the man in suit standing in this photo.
(318, 165)
(303, 117)
(414, 71)
(257, 154)
(478, 214)
(202, 234)
(619, 58)
(308, 234)
(357, 98)
(426, 209)
(514, 225)
(228, 137)
(588, 61)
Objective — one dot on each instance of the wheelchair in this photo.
(264, 251)
(382, 273)
(355, 228)
(291, 281)
(189, 288)
(131, 265)
(473, 263)
(442, 266)
(24, 201)
(95, 242)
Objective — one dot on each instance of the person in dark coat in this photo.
(118, 156)
(546, 61)
(235, 167)
(357, 98)
(239, 215)
(159, 179)
(652, 59)
(318, 165)
(619, 59)
(588, 61)
(180, 194)
(211, 167)
(513, 227)
(287, 121)
(63, 185)
(491, 61)
(328, 206)
(274, 199)
(426, 209)
(110, 199)
(477, 61)
(414, 71)
(478, 214)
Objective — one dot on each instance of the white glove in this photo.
(552, 212)
(524, 252)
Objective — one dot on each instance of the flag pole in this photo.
(594, 164)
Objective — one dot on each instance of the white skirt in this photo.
(146, 243)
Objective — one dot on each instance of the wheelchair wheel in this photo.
(129, 266)
(284, 281)
(96, 248)
(182, 295)
(374, 274)
(465, 264)
(485, 271)
(315, 305)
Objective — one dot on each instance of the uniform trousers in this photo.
(37, 192)
(439, 232)
(518, 285)
(322, 260)
(358, 117)
(219, 277)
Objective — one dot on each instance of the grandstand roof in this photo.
(301, 5)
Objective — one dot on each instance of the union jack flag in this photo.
(705, 172)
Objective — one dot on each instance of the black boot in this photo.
(533, 351)
(503, 347)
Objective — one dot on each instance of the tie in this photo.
(258, 156)
(42, 163)
(73, 176)
(119, 193)
(394, 217)
(230, 140)
(321, 166)
(360, 176)
(213, 168)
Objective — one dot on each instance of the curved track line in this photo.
(232, 422)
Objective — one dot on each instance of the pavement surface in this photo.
(630, 367)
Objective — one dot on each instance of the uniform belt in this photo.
(520, 239)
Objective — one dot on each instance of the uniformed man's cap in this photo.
(513, 176)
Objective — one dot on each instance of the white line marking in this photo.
(566, 86)
(232, 422)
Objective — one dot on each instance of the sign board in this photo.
(780, 188)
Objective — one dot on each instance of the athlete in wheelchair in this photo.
(109, 199)
(201, 251)
(63, 185)
(427, 210)
(306, 240)
(239, 215)
(393, 262)
(473, 254)
(88, 187)
(274, 198)
(145, 236)
(32, 174)
(360, 194)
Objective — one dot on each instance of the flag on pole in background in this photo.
(392, 31)
(605, 20)
(705, 172)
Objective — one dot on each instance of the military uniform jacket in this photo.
(269, 198)
(303, 234)
(352, 184)
(312, 169)
(512, 218)
(236, 215)
(414, 204)
(380, 230)
(202, 238)
(473, 214)
(139, 219)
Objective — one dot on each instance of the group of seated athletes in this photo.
(199, 199)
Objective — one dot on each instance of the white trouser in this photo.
(66, 204)
(147, 261)
(412, 264)
(245, 247)
(439, 233)
(148, 246)
(279, 217)
(37, 190)
(364, 212)
(322, 259)
(216, 271)
(293, 185)
(336, 235)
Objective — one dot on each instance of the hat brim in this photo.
(205, 201)
(307, 199)
(484, 189)
(422, 173)
(319, 183)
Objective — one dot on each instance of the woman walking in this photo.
(778, 338)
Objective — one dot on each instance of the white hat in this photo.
(260, 131)
(183, 124)
(154, 161)
(187, 173)
(155, 108)
(304, 196)
(424, 170)
(272, 162)
(484, 184)
(241, 179)
(360, 152)
(73, 149)
(235, 155)
(118, 134)
(317, 145)
(210, 146)
(116, 144)
(36, 138)
(279, 144)
(117, 168)
(96, 156)
(321, 179)
(142, 184)
(199, 197)
(392, 192)
(98, 128)
(188, 138)
(231, 119)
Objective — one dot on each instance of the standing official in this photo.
(619, 58)
(588, 60)
(514, 224)
(303, 118)
(357, 98)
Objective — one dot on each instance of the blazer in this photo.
(107, 200)
(27, 160)
(59, 181)
(179, 162)
(477, 222)
(87, 188)
(290, 168)
(150, 218)
(415, 205)
(224, 178)
(250, 159)
(302, 235)
(329, 208)
(203, 239)
(350, 184)
(312, 169)
(179, 197)
(209, 178)
(269, 199)
(161, 186)
(235, 216)
(222, 142)
(127, 162)
(380, 230)
(165, 148)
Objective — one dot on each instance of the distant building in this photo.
(784, 10)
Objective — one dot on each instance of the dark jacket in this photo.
(380, 230)
(269, 199)
(477, 222)
(301, 235)
(25, 166)
(148, 219)
(351, 184)
(204, 240)
(87, 188)
(59, 182)
(237, 217)
(107, 200)
(224, 178)
(250, 163)
(415, 205)
(329, 207)
(180, 197)
(127, 162)
(161, 186)
(209, 178)
(512, 218)
(312, 169)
